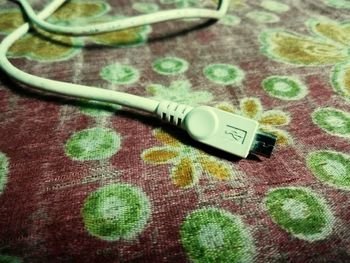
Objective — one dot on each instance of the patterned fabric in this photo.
(84, 181)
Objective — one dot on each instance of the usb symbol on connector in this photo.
(229, 132)
(235, 134)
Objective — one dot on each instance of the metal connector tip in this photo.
(263, 144)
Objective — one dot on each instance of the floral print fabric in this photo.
(85, 181)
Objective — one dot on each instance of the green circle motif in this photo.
(9, 259)
(224, 74)
(230, 20)
(97, 108)
(169, 1)
(300, 212)
(333, 121)
(188, 3)
(120, 74)
(3, 171)
(284, 88)
(145, 7)
(263, 17)
(274, 6)
(170, 66)
(330, 167)
(215, 235)
(93, 144)
(341, 4)
(115, 212)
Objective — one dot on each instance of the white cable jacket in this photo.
(64, 88)
(125, 23)
(205, 124)
(82, 91)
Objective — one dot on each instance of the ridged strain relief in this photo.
(172, 112)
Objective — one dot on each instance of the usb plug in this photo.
(227, 131)
(263, 144)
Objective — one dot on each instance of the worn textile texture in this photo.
(82, 181)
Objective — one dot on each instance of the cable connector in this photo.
(227, 131)
(220, 129)
(263, 144)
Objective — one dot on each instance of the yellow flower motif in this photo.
(127, 37)
(10, 19)
(328, 45)
(188, 162)
(78, 13)
(43, 46)
(269, 120)
(38, 44)
(80, 9)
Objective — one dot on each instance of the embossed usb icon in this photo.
(235, 134)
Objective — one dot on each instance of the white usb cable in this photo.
(124, 23)
(226, 131)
